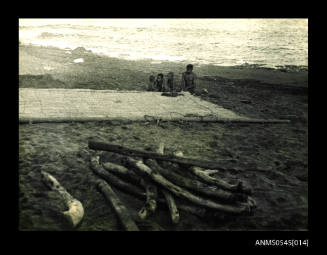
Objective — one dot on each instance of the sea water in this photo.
(225, 42)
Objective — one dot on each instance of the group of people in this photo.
(161, 84)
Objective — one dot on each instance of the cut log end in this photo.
(143, 213)
(174, 213)
(75, 213)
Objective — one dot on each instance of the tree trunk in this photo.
(96, 145)
(195, 210)
(198, 211)
(178, 191)
(121, 211)
(151, 190)
(112, 179)
(205, 175)
(122, 171)
(174, 214)
(195, 185)
(75, 211)
(161, 149)
(150, 205)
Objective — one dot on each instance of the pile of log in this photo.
(178, 182)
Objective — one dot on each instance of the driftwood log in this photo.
(75, 211)
(195, 185)
(115, 181)
(151, 192)
(121, 211)
(125, 173)
(205, 175)
(189, 208)
(144, 170)
(161, 148)
(173, 185)
(174, 214)
(150, 205)
(97, 145)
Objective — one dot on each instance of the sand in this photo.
(275, 155)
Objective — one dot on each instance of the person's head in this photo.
(189, 68)
(160, 77)
(170, 75)
(151, 78)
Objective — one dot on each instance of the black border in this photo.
(162, 241)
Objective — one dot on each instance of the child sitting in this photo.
(159, 83)
(151, 83)
(170, 82)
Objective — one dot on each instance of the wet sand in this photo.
(275, 155)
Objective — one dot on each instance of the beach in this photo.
(275, 155)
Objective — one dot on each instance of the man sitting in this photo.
(188, 79)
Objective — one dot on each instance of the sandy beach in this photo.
(275, 155)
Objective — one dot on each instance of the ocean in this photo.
(272, 43)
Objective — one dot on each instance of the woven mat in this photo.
(87, 105)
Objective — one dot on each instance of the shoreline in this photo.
(100, 69)
(283, 68)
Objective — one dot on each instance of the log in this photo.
(195, 210)
(161, 149)
(174, 166)
(204, 119)
(151, 190)
(117, 169)
(195, 185)
(113, 180)
(123, 172)
(121, 211)
(200, 212)
(202, 174)
(174, 214)
(205, 175)
(75, 212)
(189, 208)
(151, 196)
(256, 121)
(97, 145)
(143, 169)
(150, 205)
